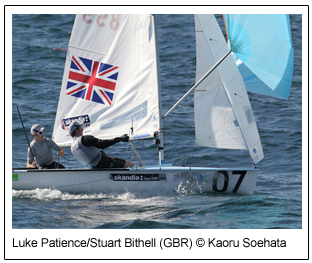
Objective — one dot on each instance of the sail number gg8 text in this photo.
(100, 20)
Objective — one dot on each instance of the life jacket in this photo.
(86, 155)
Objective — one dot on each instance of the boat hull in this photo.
(156, 180)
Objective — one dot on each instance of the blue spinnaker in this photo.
(263, 52)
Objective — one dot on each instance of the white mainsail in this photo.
(223, 114)
(110, 80)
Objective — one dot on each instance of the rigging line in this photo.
(68, 159)
(77, 184)
(129, 153)
(58, 158)
(136, 153)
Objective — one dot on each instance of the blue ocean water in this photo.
(277, 202)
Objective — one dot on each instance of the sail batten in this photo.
(89, 50)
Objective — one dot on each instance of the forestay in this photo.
(110, 81)
(223, 115)
(263, 51)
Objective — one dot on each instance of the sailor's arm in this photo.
(54, 146)
(31, 162)
(89, 140)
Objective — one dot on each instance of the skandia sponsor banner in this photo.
(137, 177)
(83, 120)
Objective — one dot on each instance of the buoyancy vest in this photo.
(86, 155)
(42, 152)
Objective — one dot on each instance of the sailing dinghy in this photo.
(111, 85)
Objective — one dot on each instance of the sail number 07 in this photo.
(226, 180)
(101, 19)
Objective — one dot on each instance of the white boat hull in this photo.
(156, 179)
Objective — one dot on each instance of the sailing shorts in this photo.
(53, 165)
(110, 162)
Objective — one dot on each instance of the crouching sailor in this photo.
(85, 149)
(40, 152)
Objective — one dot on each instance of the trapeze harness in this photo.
(86, 150)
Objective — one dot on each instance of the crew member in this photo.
(40, 150)
(86, 150)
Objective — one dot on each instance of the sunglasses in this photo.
(39, 133)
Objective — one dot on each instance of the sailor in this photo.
(86, 150)
(40, 153)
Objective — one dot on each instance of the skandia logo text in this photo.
(127, 178)
(83, 119)
(137, 177)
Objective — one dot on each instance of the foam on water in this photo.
(50, 194)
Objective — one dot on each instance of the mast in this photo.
(160, 119)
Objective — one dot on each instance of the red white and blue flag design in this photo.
(92, 80)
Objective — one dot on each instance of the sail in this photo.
(110, 81)
(263, 51)
(223, 114)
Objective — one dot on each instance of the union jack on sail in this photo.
(92, 80)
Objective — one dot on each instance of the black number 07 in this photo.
(226, 179)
